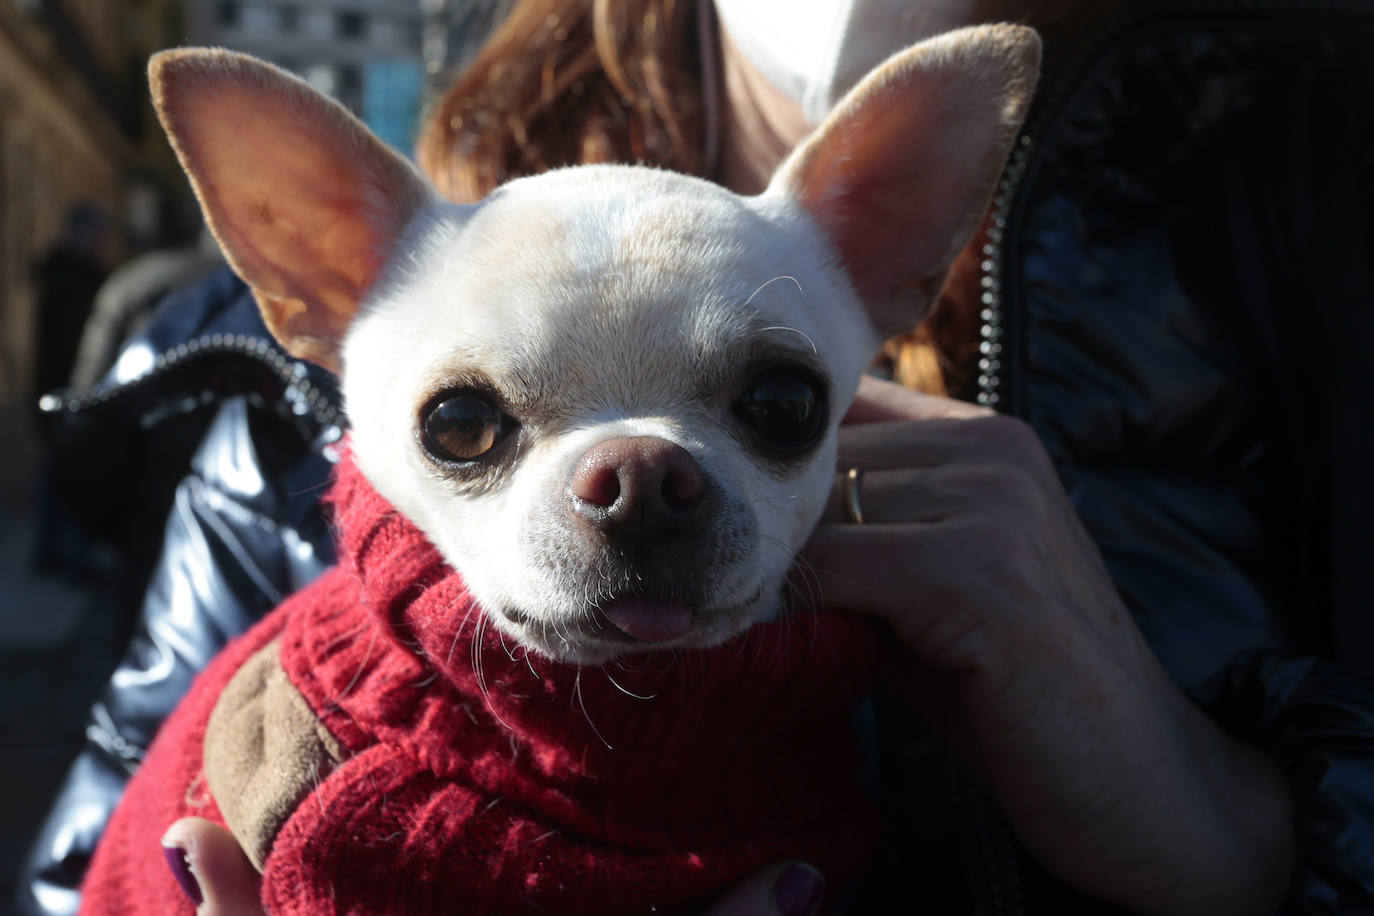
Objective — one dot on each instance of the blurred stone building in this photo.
(75, 127)
(380, 58)
(365, 53)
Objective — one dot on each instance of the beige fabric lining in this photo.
(264, 752)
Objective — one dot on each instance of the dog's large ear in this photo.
(305, 202)
(900, 173)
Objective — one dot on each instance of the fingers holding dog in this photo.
(879, 400)
(921, 471)
(908, 495)
(210, 866)
(1020, 654)
(926, 443)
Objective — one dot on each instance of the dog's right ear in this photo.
(305, 202)
(899, 174)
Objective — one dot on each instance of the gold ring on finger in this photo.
(853, 512)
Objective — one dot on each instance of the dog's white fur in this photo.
(645, 249)
(605, 301)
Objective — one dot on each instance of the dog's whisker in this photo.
(458, 631)
(577, 695)
(812, 580)
(617, 686)
(804, 581)
(766, 283)
(362, 666)
(313, 488)
(477, 671)
(346, 635)
(510, 653)
(805, 336)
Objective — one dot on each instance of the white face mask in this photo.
(813, 51)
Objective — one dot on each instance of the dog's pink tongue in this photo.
(649, 621)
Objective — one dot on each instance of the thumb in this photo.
(212, 869)
(878, 400)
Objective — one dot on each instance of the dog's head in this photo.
(608, 394)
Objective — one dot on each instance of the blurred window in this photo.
(229, 12)
(391, 99)
(352, 25)
(350, 80)
(289, 17)
(323, 77)
(260, 19)
(318, 24)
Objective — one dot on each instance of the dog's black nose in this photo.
(641, 487)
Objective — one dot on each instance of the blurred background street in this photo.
(56, 649)
(88, 190)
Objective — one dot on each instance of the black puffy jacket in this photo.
(203, 387)
(1178, 296)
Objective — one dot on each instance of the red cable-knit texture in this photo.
(482, 781)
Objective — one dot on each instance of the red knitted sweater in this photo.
(480, 781)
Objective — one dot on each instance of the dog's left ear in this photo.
(900, 173)
(305, 202)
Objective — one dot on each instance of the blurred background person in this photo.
(131, 293)
(67, 279)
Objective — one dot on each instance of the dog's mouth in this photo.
(645, 620)
(633, 620)
(627, 619)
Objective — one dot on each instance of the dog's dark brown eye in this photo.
(464, 427)
(785, 407)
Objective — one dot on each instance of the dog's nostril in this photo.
(596, 483)
(682, 486)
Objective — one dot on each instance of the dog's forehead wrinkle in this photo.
(660, 359)
(650, 368)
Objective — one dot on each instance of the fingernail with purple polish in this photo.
(798, 891)
(181, 870)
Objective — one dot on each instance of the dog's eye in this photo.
(464, 427)
(785, 407)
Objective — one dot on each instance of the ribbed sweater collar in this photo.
(639, 750)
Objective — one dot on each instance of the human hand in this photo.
(211, 867)
(787, 889)
(1022, 659)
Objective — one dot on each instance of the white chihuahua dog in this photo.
(608, 394)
